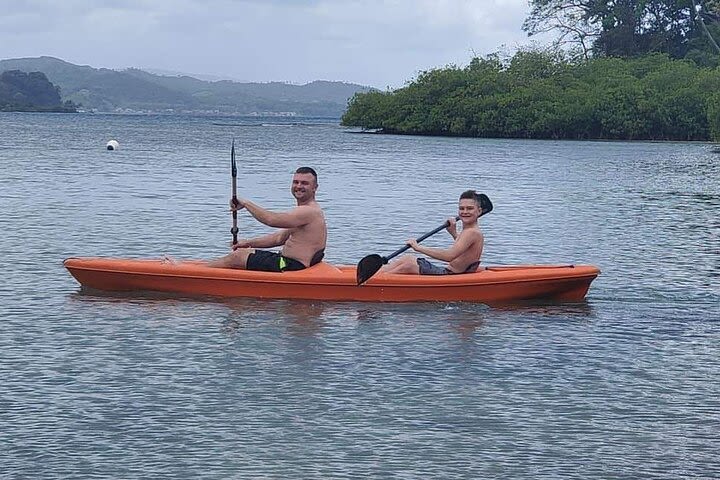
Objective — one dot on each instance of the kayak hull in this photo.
(501, 284)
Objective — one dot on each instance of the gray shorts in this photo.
(428, 268)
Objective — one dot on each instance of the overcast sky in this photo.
(381, 43)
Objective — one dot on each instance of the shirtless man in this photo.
(462, 257)
(302, 234)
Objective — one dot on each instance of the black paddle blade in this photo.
(369, 266)
(486, 205)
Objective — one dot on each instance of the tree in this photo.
(713, 113)
(30, 91)
(712, 11)
(568, 18)
(627, 28)
(541, 94)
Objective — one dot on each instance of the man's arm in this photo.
(463, 243)
(267, 241)
(296, 217)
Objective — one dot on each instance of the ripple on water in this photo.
(137, 386)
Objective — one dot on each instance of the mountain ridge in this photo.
(132, 89)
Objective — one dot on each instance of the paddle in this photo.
(234, 229)
(371, 264)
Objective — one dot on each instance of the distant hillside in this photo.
(107, 90)
(30, 92)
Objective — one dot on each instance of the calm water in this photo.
(626, 385)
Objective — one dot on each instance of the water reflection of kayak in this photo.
(323, 281)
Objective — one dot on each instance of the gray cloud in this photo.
(378, 43)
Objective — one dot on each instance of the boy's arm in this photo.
(464, 241)
(452, 227)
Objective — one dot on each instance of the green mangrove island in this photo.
(630, 70)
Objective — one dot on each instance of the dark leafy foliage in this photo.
(30, 92)
(630, 28)
(542, 94)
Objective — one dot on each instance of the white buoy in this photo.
(113, 145)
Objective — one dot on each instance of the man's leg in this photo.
(235, 259)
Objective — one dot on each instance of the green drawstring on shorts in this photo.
(282, 263)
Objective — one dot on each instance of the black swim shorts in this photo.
(264, 261)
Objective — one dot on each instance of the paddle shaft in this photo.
(419, 239)
(234, 229)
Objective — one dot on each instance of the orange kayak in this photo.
(568, 283)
